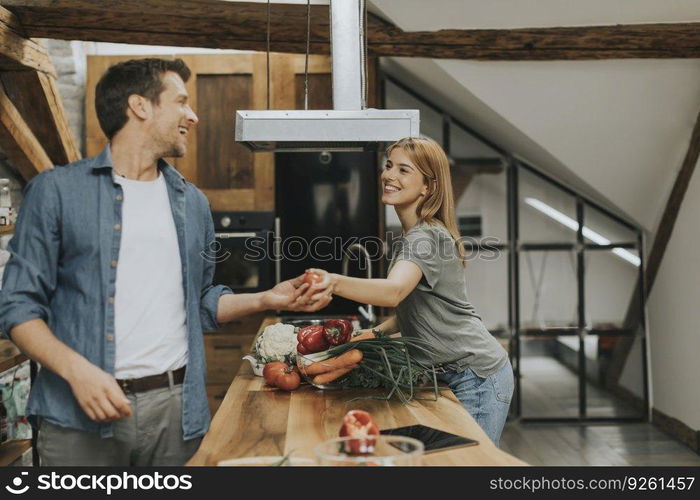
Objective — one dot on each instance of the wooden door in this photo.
(232, 177)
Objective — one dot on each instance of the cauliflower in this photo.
(277, 342)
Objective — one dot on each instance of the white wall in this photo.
(120, 49)
(615, 130)
(415, 15)
(673, 316)
(622, 126)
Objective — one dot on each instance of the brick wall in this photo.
(69, 60)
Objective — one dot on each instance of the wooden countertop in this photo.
(256, 420)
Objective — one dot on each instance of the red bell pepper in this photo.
(338, 331)
(359, 424)
(312, 339)
(302, 350)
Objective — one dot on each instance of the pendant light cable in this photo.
(268, 54)
(308, 48)
(363, 48)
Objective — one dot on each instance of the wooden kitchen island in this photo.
(257, 420)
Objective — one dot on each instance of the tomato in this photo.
(289, 380)
(312, 338)
(312, 278)
(359, 424)
(273, 370)
(338, 331)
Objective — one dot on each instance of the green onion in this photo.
(387, 363)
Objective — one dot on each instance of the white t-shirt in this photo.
(150, 320)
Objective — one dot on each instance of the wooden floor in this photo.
(573, 444)
(550, 389)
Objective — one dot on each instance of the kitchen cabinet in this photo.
(224, 350)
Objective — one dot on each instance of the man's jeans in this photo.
(486, 399)
(151, 436)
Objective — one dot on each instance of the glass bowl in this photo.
(388, 451)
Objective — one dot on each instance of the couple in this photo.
(107, 289)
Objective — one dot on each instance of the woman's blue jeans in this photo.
(486, 399)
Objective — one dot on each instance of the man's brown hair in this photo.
(143, 77)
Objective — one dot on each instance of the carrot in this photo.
(325, 378)
(351, 357)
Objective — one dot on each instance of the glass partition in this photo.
(552, 273)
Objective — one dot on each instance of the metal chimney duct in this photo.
(346, 48)
(347, 127)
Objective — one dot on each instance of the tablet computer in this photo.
(432, 439)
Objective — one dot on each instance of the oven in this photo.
(243, 250)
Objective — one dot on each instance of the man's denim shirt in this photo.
(63, 269)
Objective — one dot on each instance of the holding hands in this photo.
(305, 293)
(321, 284)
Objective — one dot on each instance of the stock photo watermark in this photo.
(334, 249)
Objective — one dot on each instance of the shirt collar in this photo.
(172, 176)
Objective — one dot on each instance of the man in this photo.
(109, 289)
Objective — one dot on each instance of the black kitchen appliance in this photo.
(325, 202)
(243, 250)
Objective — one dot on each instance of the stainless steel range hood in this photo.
(347, 127)
(331, 130)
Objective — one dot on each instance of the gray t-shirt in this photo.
(438, 311)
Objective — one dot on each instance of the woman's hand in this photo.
(323, 288)
(290, 295)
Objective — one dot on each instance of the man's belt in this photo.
(152, 381)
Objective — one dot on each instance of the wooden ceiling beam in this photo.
(193, 23)
(673, 207)
(17, 52)
(36, 97)
(242, 25)
(666, 225)
(671, 40)
(23, 149)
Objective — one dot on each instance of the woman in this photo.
(427, 285)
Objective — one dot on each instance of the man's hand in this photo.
(98, 393)
(289, 295)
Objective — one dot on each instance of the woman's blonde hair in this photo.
(438, 204)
